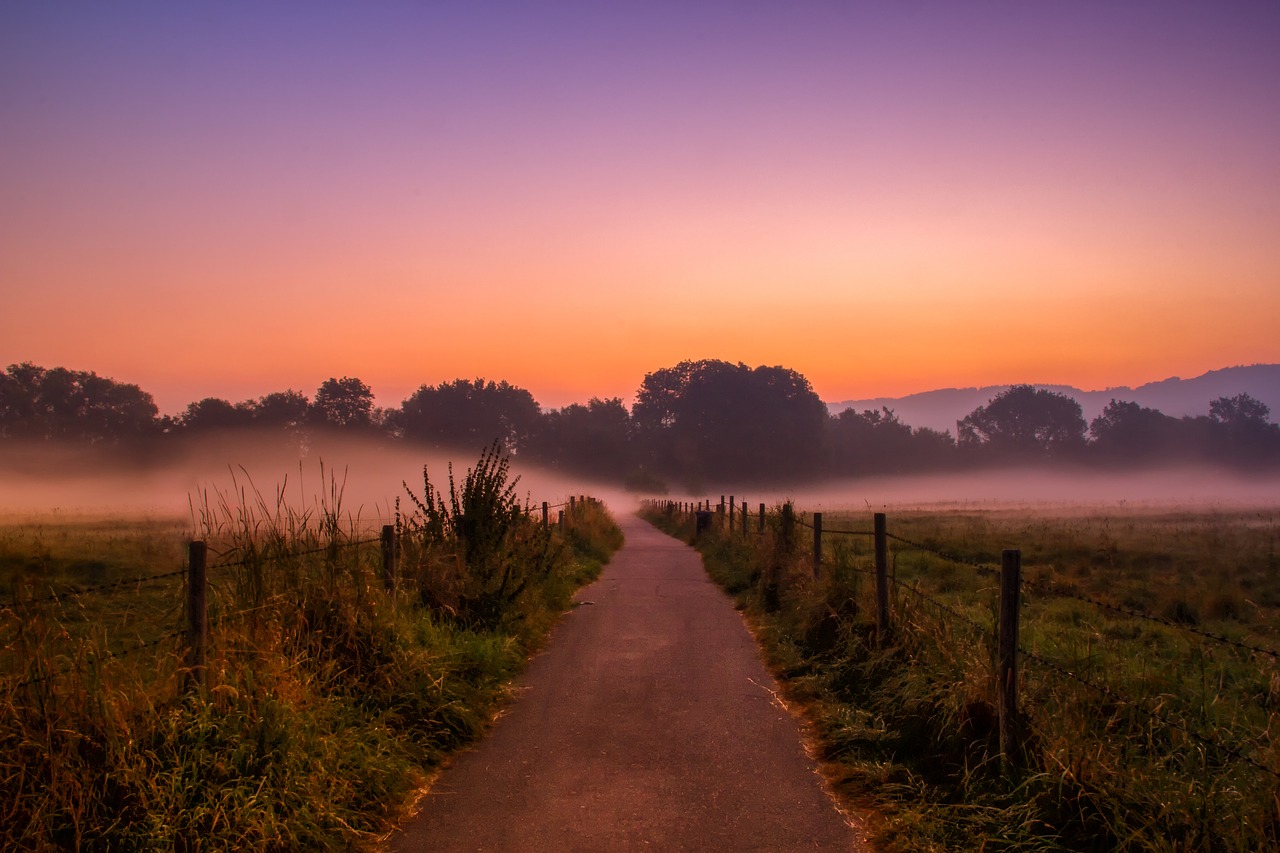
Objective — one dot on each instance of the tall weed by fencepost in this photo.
(495, 546)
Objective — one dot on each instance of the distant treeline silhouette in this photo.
(699, 421)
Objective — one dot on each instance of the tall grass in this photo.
(330, 698)
(1123, 742)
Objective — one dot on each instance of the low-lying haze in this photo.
(369, 478)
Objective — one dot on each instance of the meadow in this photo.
(1149, 685)
(327, 699)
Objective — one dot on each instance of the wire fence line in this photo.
(195, 572)
(1058, 591)
(787, 516)
(946, 608)
(257, 556)
(123, 653)
(827, 531)
(988, 569)
(1231, 751)
(268, 554)
(101, 588)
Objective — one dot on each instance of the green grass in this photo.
(329, 700)
(1122, 754)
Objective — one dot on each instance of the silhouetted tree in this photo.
(288, 409)
(1242, 432)
(215, 413)
(1127, 432)
(345, 403)
(717, 420)
(932, 449)
(471, 415)
(592, 439)
(874, 441)
(72, 405)
(866, 441)
(1241, 410)
(1025, 422)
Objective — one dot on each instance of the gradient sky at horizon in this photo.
(228, 199)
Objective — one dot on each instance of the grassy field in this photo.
(329, 699)
(1149, 683)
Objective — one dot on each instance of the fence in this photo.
(192, 583)
(731, 515)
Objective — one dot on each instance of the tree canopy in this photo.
(592, 439)
(1025, 421)
(1127, 431)
(471, 414)
(72, 405)
(697, 422)
(717, 419)
(344, 403)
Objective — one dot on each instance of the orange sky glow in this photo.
(234, 201)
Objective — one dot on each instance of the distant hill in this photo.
(1178, 397)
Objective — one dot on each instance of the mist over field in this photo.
(367, 474)
(1180, 487)
(368, 477)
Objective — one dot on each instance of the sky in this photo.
(234, 198)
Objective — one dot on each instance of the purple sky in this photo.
(234, 198)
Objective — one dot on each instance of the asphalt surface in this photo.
(649, 723)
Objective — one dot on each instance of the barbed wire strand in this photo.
(322, 549)
(943, 607)
(1050, 590)
(855, 569)
(1059, 592)
(988, 569)
(146, 644)
(826, 531)
(97, 588)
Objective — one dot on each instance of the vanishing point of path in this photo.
(649, 723)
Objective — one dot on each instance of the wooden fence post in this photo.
(197, 615)
(730, 513)
(761, 519)
(788, 527)
(545, 516)
(1007, 675)
(883, 627)
(744, 517)
(389, 557)
(817, 543)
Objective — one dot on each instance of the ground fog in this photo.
(1048, 490)
(367, 477)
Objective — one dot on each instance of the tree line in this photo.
(697, 422)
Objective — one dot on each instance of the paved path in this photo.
(647, 724)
